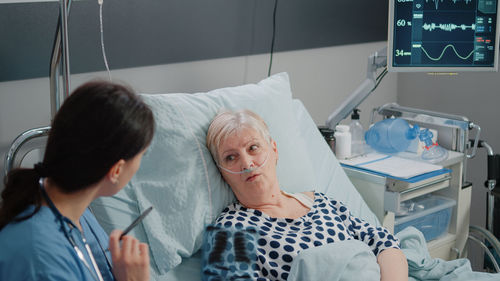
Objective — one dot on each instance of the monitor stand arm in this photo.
(375, 61)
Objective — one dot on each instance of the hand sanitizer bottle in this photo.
(357, 134)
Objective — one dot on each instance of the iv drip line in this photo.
(102, 41)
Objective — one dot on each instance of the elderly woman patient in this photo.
(246, 155)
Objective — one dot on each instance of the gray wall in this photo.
(156, 32)
(474, 95)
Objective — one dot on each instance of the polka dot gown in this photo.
(280, 239)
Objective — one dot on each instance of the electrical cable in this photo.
(102, 40)
(273, 38)
(382, 73)
(379, 78)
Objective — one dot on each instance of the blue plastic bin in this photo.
(431, 215)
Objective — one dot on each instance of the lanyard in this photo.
(108, 261)
(82, 257)
(96, 273)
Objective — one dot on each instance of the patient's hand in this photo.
(393, 265)
(130, 259)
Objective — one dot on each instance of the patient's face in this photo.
(247, 149)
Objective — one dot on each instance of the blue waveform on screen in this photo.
(447, 26)
(436, 2)
(442, 53)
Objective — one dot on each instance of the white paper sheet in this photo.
(391, 165)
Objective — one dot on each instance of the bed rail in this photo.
(23, 144)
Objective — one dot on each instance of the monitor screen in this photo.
(443, 35)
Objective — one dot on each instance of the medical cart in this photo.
(386, 196)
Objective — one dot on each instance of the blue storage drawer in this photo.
(429, 214)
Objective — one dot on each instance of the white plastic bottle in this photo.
(357, 134)
(342, 142)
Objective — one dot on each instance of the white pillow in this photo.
(179, 178)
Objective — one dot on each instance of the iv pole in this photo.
(60, 49)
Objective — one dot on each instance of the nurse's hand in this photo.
(130, 259)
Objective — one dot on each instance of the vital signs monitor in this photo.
(443, 35)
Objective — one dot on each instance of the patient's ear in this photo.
(115, 171)
(275, 149)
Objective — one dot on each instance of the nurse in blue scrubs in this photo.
(95, 146)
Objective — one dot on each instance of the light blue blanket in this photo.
(353, 260)
(342, 261)
(422, 267)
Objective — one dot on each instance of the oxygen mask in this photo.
(432, 152)
(256, 164)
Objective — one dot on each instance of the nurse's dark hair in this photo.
(98, 124)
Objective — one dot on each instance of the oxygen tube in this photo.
(246, 170)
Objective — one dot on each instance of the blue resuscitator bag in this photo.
(391, 135)
(394, 135)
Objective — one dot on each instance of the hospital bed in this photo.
(179, 178)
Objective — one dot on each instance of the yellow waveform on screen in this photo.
(442, 53)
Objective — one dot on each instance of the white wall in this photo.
(322, 78)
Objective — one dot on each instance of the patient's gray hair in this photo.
(228, 122)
